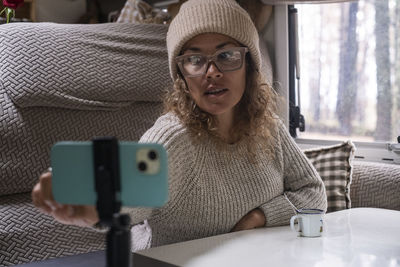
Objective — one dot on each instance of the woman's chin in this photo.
(219, 113)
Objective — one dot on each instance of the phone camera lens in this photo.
(152, 155)
(142, 166)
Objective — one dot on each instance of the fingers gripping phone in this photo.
(143, 174)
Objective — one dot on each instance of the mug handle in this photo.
(292, 220)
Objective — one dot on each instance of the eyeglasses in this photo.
(228, 59)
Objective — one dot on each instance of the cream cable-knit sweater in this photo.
(211, 190)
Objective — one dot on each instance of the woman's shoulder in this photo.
(168, 119)
(277, 127)
(167, 130)
(279, 133)
(283, 138)
(283, 130)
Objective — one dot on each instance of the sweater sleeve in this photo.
(302, 184)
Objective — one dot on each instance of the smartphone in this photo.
(143, 174)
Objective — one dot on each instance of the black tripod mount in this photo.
(108, 188)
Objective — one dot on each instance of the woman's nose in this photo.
(213, 72)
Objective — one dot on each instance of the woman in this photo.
(231, 161)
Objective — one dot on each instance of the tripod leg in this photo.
(119, 242)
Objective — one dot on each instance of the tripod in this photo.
(108, 188)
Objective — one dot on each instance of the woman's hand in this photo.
(253, 219)
(42, 197)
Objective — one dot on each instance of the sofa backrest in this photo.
(74, 82)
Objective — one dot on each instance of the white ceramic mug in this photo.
(310, 223)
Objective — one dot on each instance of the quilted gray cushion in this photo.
(27, 134)
(74, 82)
(375, 185)
(101, 66)
(26, 235)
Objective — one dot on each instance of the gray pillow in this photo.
(100, 66)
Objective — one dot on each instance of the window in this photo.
(350, 70)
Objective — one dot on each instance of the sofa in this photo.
(74, 82)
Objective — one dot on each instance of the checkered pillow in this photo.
(334, 165)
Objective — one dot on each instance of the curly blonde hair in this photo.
(254, 114)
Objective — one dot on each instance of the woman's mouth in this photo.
(216, 92)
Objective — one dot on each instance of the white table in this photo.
(355, 237)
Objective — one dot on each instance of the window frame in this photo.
(383, 152)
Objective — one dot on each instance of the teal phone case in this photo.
(73, 179)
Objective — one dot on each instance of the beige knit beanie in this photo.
(211, 16)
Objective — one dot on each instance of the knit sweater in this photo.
(211, 189)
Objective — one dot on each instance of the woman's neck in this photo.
(224, 126)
